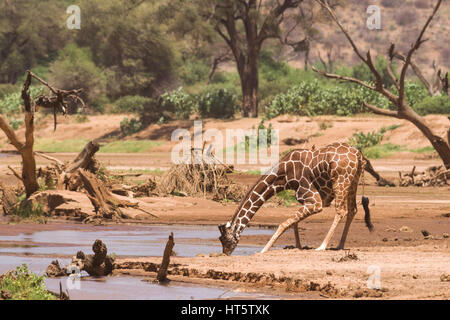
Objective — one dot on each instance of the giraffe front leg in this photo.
(313, 206)
(297, 236)
(281, 229)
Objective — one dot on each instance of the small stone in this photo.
(358, 293)
(445, 277)
(201, 255)
(217, 254)
(415, 276)
(390, 230)
(329, 273)
(405, 229)
(429, 237)
(385, 240)
(425, 233)
(445, 235)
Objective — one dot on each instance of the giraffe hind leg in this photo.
(341, 192)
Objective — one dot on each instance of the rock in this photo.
(415, 276)
(445, 235)
(385, 240)
(425, 233)
(405, 229)
(390, 230)
(217, 254)
(202, 255)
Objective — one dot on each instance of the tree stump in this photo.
(97, 264)
(162, 272)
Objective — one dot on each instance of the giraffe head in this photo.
(228, 238)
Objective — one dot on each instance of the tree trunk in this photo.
(439, 144)
(250, 85)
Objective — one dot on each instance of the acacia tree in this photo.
(245, 25)
(403, 110)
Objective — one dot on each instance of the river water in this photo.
(41, 248)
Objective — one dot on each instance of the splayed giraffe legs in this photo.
(341, 192)
(312, 204)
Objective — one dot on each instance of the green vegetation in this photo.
(130, 126)
(382, 151)
(21, 284)
(76, 145)
(287, 197)
(427, 149)
(52, 145)
(130, 146)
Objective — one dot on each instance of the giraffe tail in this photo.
(364, 199)
(365, 204)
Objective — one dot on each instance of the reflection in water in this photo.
(143, 241)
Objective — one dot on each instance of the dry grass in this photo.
(205, 179)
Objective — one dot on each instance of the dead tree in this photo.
(162, 272)
(56, 101)
(403, 110)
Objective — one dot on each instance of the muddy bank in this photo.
(405, 273)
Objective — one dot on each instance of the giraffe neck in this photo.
(262, 191)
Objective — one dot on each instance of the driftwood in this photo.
(106, 204)
(97, 264)
(433, 176)
(60, 174)
(8, 198)
(162, 272)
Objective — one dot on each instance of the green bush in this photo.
(21, 284)
(10, 104)
(435, 105)
(361, 140)
(75, 69)
(15, 123)
(131, 104)
(193, 71)
(130, 126)
(217, 103)
(7, 89)
(178, 102)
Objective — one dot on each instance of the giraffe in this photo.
(318, 176)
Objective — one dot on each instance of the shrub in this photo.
(15, 123)
(11, 103)
(130, 126)
(361, 140)
(193, 71)
(217, 103)
(178, 102)
(436, 105)
(75, 69)
(22, 284)
(130, 104)
(310, 98)
(7, 89)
